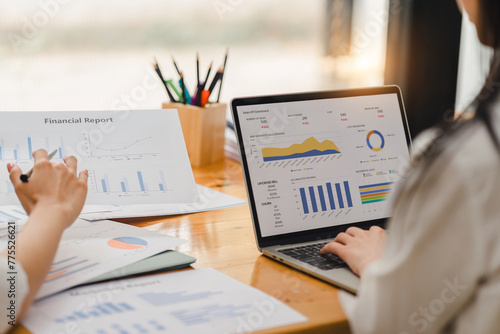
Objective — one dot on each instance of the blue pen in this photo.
(185, 91)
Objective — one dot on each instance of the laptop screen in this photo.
(322, 162)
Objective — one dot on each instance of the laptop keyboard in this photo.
(310, 254)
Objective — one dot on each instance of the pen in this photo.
(25, 177)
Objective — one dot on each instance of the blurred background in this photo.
(90, 52)
(97, 55)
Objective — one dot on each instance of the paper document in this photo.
(133, 157)
(90, 249)
(11, 213)
(210, 199)
(194, 301)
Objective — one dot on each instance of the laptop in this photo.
(316, 164)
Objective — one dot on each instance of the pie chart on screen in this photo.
(127, 243)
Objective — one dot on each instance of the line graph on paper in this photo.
(116, 147)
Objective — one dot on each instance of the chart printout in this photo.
(88, 250)
(322, 163)
(133, 157)
(188, 302)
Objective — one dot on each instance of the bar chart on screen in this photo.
(330, 197)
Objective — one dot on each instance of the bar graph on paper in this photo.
(68, 267)
(328, 197)
(134, 158)
(12, 213)
(129, 182)
(21, 149)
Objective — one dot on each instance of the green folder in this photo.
(168, 260)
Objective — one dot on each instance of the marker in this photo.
(25, 177)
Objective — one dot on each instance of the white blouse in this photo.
(440, 271)
(13, 290)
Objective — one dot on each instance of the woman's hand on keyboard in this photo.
(357, 247)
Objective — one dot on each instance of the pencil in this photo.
(175, 64)
(217, 77)
(25, 177)
(183, 87)
(208, 75)
(222, 77)
(158, 71)
(197, 69)
(202, 86)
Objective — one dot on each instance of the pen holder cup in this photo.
(203, 130)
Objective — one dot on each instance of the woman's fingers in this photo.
(332, 247)
(354, 231)
(343, 238)
(71, 162)
(84, 175)
(40, 155)
(15, 174)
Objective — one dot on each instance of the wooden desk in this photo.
(224, 240)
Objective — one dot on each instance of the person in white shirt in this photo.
(437, 270)
(53, 197)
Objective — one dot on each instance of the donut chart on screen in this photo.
(127, 243)
(373, 148)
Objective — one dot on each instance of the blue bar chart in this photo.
(140, 181)
(336, 196)
(12, 213)
(96, 311)
(22, 149)
(304, 201)
(211, 313)
(163, 298)
(134, 161)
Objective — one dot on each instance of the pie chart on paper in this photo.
(127, 243)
